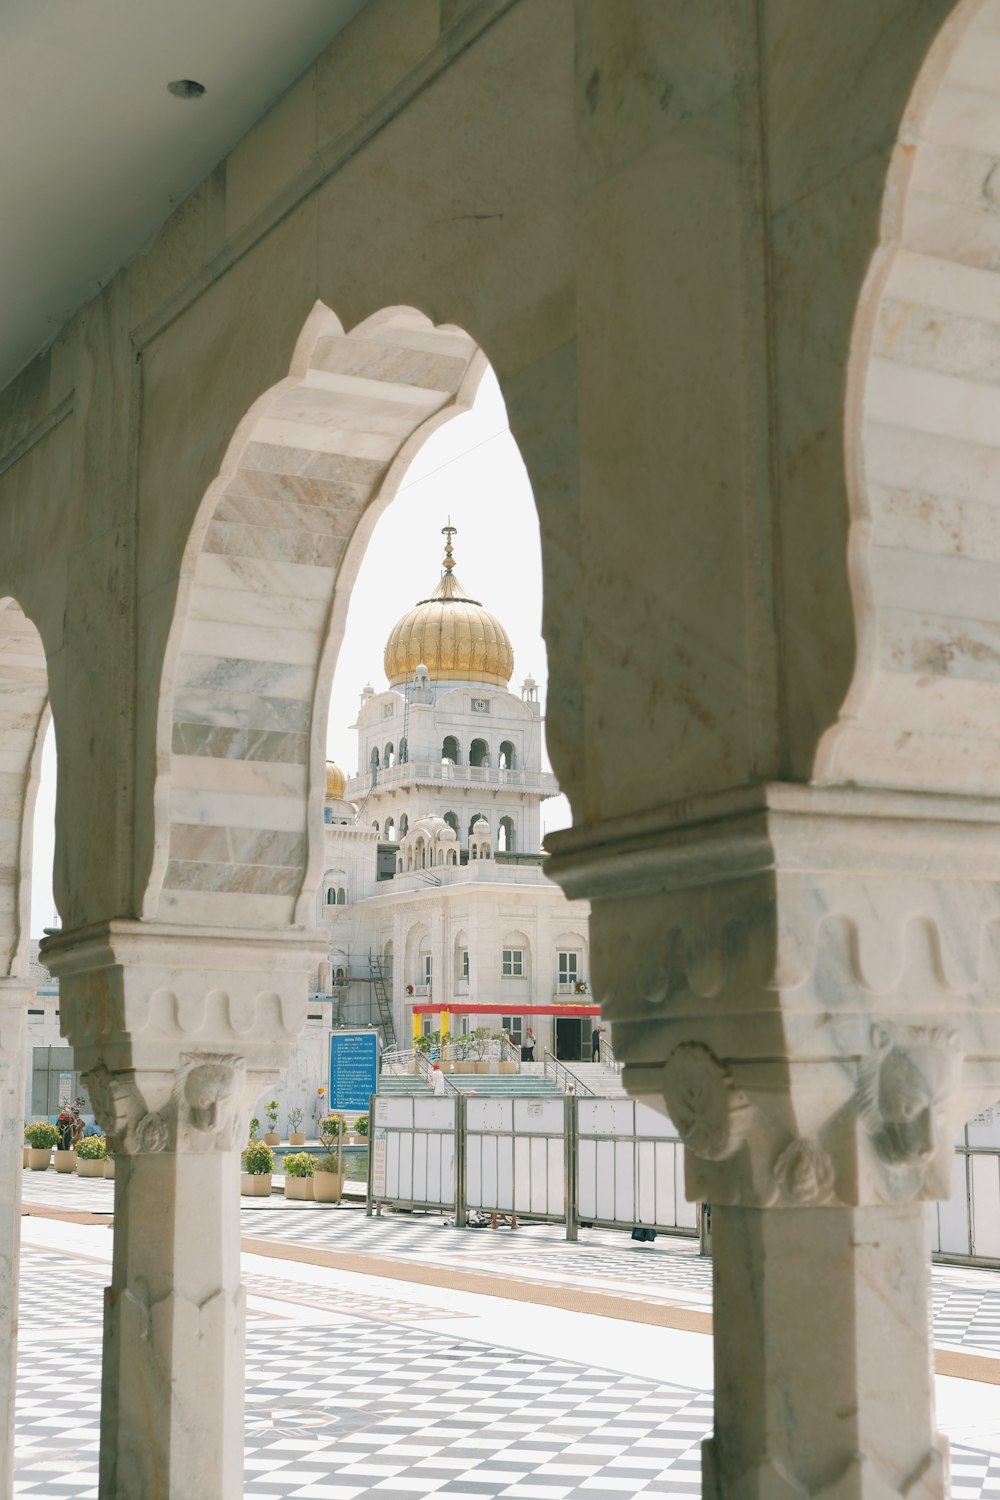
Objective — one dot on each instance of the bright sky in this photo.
(471, 472)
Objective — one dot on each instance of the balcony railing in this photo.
(444, 773)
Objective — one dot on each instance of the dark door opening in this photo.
(572, 1038)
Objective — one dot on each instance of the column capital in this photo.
(178, 1030)
(809, 978)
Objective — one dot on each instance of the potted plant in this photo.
(254, 1131)
(463, 1061)
(298, 1175)
(296, 1135)
(479, 1046)
(506, 1064)
(65, 1161)
(257, 1162)
(271, 1136)
(361, 1127)
(41, 1137)
(328, 1169)
(91, 1154)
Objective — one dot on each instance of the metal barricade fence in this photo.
(412, 1156)
(630, 1168)
(616, 1163)
(967, 1226)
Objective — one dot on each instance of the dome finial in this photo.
(448, 532)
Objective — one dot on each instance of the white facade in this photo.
(433, 854)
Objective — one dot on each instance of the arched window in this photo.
(341, 976)
(341, 896)
(389, 831)
(454, 857)
(440, 856)
(452, 821)
(479, 753)
(331, 896)
(375, 824)
(404, 825)
(508, 756)
(506, 840)
(473, 851)
(404, 753)
(449, 750)
(388, 756)
(374, 762)
(474, 820)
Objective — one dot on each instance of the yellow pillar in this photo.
(417, 1027)
(445, 1026)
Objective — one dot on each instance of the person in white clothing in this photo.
(438, 1079)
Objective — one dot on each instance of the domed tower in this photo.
(449, 738)
(451, 635)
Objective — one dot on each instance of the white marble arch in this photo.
(265, 582)
(24, 717)
(922, 436)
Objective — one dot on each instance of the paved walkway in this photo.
(384, 1387)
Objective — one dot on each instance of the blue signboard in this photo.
(353, 1068)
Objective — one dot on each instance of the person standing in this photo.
(528, 1047)
(595, 1044)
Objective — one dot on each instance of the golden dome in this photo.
(454, 636)
(336, 781)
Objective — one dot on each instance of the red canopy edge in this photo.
(477, 1008)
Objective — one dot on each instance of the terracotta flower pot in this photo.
(272, 1138)
(297, 1138)
(255, 1184)
(39, 1158)
(299, 1187)
(65, 1161)
(85, 1167)
(328, 1186)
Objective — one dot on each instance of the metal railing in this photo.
(607, 1056)
(411, 772)
(565, 1081)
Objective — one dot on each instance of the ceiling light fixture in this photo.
(186, 88)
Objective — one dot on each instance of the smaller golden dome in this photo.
(336, 781)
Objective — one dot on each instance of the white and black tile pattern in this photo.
(359, 1408)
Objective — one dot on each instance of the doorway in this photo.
(572, 1039)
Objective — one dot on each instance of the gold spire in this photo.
(451, 633)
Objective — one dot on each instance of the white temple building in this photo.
(435, 889)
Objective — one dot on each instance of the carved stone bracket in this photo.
(809, 979)
(176, 1031)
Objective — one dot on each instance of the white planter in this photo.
(85, 1167)
(299, 1187)
(297, 1138)
(328, 1186)
(272, 1138)
(65, 1161)
(39, 1158)
(255, 1184)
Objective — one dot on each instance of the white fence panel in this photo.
(630, 1166)
(413, 1151)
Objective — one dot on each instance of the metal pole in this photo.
(570, 1153)
(371, 1153)
(461, 1185)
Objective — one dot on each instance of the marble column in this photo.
(14, 997)
(177, 1032)
(806, 980)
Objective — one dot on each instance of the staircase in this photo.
(505, 1086)
(382, 1000)
(597, 1078)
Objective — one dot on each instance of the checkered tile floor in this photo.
(362, 1408)
(966, 1303)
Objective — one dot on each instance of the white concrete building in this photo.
(435, 888)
